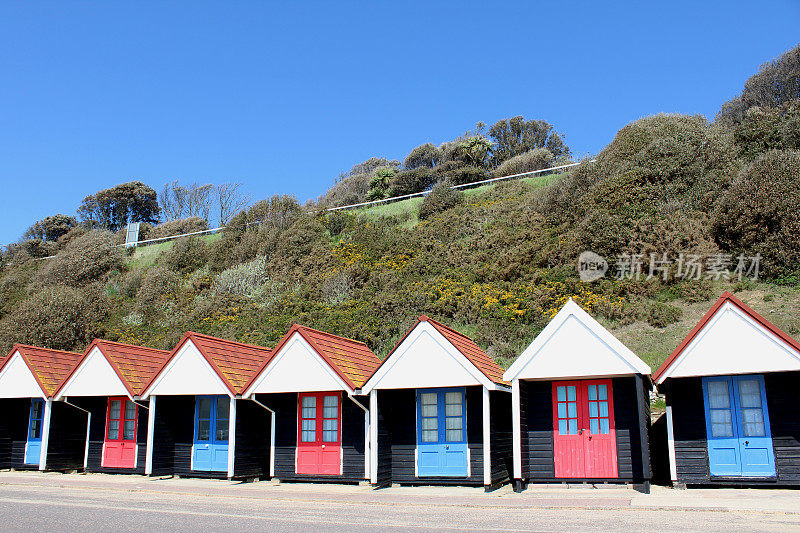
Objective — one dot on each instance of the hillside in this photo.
(496, 262)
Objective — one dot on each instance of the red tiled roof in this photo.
(352, 360)
(726, 297)
(50, 367)
(135, 365)
(463, 344)
(234, 362)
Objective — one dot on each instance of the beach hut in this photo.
(107, 386)
(199, 424)
(29, 378)
(440, 412)
(731, 393)
(311, 385)
(581, 406)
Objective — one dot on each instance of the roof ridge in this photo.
(328, 334)
(106, 341)
(428, 319)
(20, 345)
(191, 334)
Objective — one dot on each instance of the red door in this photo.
(319, 436)
(584, 437)
(119, 448)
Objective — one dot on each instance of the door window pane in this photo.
(309, 431)
(721, 423)
(113, 429)
(571, 393)
(604, 409)
(572, 409)
(573, 426)
(223, 408)
(115, 409)
(36, 409)
(309, 407)
(592, 392)
(203, 430)
(604, 426)
(753, 422)
(563, 428)
(593, 410)
(603, 393)
(594, 426)
(36, 430)
(204, 408)
(453, 409)
(130, 410)
(561, 394)
(562, 410)
(330, 430)
(222, 429)
(129, 432)
(718, 397)
(330, 407)
(749, 393)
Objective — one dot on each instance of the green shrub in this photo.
(423, 156)
(661, 315)
(84, 259)
(187, 255)
(411, 181)
(759, 213)
(159, 284)
(175, 227)
(55, 317)
(441, 198)
(535, 159)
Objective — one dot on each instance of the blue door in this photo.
(210, 450)
(737, 427)
(442, 433)
(33, 448)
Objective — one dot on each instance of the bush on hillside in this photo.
(411, 181)
(423, 156)
(84, 259)
(662, 315)
(777, 83)
(762, 130)
(159, 284)
(247, 280)
(352, 187)
(535, 159)
(441, 198)
(55, 317)
(759, 213)
(180, 226)
(186, 255)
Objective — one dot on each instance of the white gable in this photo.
(575, 345)
(187, 374)
(732, 342)
(94, 377)
(17, 380)
(426, 359)
(297, 367)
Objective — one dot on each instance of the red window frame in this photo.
(319, 418)
(122, 419)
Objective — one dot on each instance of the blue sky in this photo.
(284, 96)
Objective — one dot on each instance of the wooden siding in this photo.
(251, 457)
(67, 443)
(500, 437)
(97, 433)
(538, 463)
(685, 396)
(399, 410)
(285, 407)
(14, 414)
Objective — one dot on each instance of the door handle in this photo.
(581, 432)
(446, 446)
(323, 446)
(747, 443)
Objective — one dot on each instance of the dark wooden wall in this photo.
(398, 410)
(98, 407)
(67, 443)
(252, 440)
(630, 404)
(14, 415)
(685, 396)
(285, 407)
(501, 436)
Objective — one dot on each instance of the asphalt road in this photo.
(55, 506)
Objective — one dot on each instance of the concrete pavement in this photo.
(95, 502)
